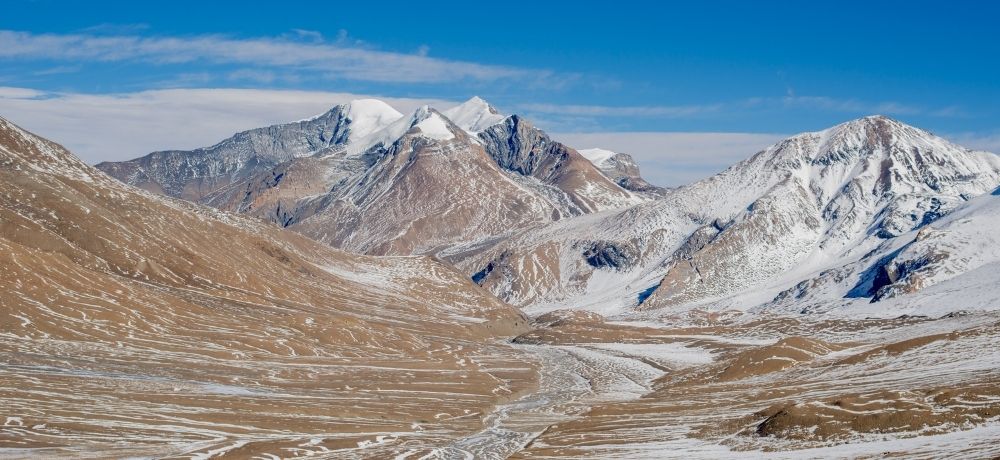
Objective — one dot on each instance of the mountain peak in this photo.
(874, 120)
(474, 115)
(882, 133)
(878, 117)
(866, 136)
(432, 124)
(479, 103)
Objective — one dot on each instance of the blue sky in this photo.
(750, 70)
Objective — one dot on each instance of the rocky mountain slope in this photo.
(429, 182)
(956, 253)
(812, 202)
(133, 325)
(194, 174)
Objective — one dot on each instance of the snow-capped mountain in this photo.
(806, 204)
(365, 178)
(432, 187)
(474, 115)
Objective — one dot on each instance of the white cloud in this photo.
(306, 51)
(675, 158)
(101, 127)
(989, 142)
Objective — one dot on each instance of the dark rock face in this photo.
(605, 254)
(497, 270)
(515, 145)
(901, 271)
(518, 146)
(481, 275)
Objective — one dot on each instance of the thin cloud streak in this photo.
(815, 103)
(341, 59)
(613, 111)
(831, 104)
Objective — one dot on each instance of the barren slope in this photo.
(133, 325)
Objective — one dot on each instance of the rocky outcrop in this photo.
(616, 256)
(624, 171)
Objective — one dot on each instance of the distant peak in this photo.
(474, 115)
(428, 122)
(878, 117)
(476, 101)
(864, 141)
(422, 112)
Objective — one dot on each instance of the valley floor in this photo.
(576, 386)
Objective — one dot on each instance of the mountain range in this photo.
(365, 178)
(819, 217)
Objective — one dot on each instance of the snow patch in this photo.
(436, 128)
